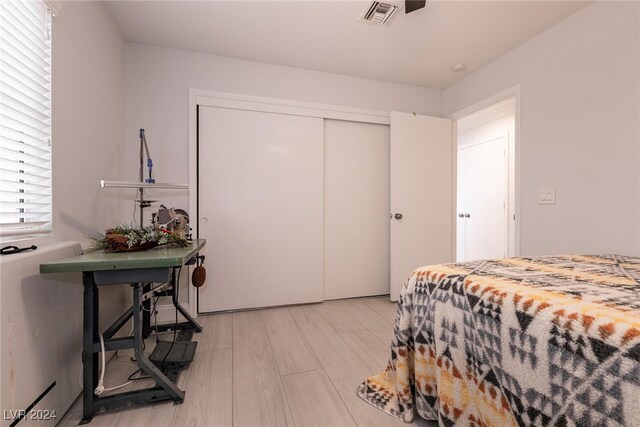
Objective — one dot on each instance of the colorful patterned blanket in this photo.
(546, 341)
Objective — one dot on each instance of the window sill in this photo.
(37, 238)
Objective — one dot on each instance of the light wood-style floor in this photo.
(296, 365)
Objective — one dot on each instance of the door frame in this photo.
(506, 188)
(514, 161)
(210, 98)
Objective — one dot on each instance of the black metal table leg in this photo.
(146, 314)
(90, 334)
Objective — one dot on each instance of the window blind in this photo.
(25, 118)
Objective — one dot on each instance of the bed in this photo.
(541, 341)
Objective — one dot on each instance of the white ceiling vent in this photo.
(379, 13)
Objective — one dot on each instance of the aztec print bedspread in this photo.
(544, 341)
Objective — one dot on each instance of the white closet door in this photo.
(421, 193)
(356, 210)
(260, 208)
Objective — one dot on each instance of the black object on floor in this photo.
(180, 354)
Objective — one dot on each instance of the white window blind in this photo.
(25, 118)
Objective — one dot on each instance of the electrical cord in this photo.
(100, 388)
(138, 378)
(176, 290)
(104, 390)
(117, 355)
(155, 320)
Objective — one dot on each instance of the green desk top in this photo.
(101, 261)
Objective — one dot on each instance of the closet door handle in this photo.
(460, 215)
(467, 215)
(398, 216)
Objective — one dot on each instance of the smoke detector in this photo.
(379, 13)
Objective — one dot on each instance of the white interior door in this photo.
(356, 209)
(260, 208)
(420, 157)
(482, 187)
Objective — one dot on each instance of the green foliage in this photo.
(125, 238)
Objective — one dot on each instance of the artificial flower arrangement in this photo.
(130, 238)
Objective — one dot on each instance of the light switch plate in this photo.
(547, 196)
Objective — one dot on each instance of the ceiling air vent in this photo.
(379, 13)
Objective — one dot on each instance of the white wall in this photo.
(88, 120)
(87, 128)
(580, 129)
(158, 80)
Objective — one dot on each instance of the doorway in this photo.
(485, 217)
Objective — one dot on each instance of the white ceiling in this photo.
(419, 48)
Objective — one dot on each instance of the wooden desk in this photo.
(138, 269)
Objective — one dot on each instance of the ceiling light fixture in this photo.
(458, 68)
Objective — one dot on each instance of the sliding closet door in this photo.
(356, 210)
(260, 208)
